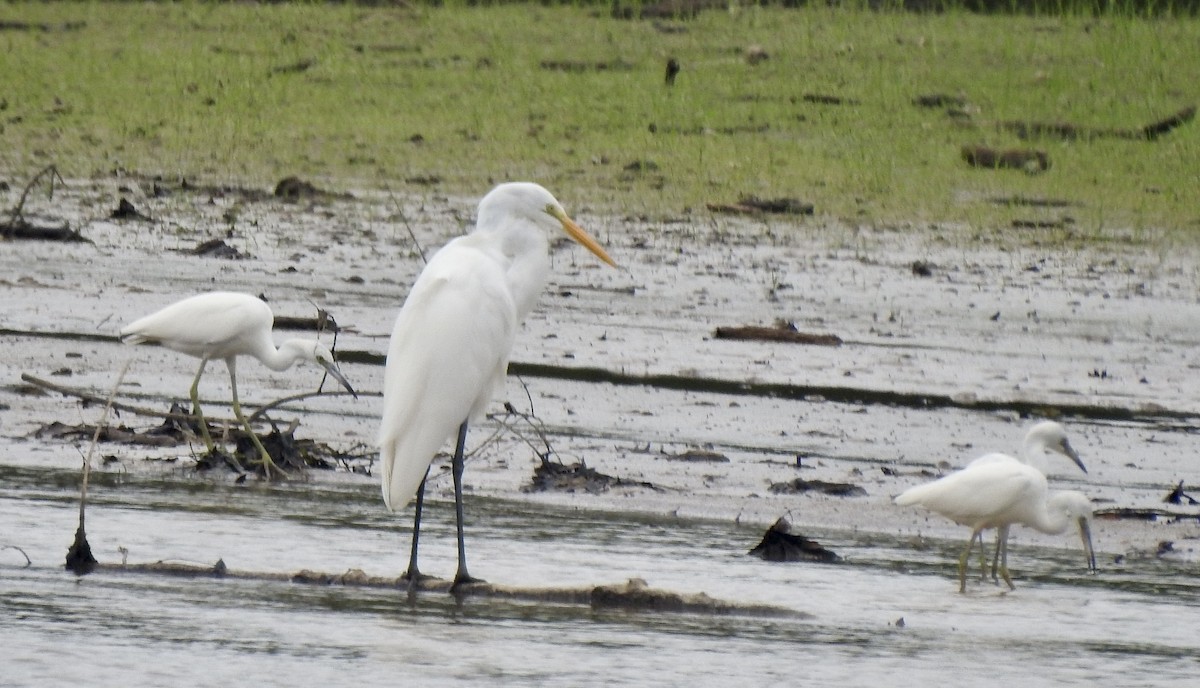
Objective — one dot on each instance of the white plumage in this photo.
(999, 491)
(225, 325)
(449, 350)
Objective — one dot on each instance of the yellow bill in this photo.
(578, 234)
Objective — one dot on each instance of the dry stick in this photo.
(79, 554)
(96, 399)
(18, 209)
(143, 411)
(262, 410)
(412, 235)
(28, 561)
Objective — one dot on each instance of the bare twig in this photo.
(79, 555)
(412, 235)
(96, 399)
(269, 406)
(151, 413)
(28, 561)
(50, 171)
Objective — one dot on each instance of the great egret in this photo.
(998, 491)
(1045, 436)
(226, 325)
(449, 350)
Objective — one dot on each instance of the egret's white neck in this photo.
(1034, 453)
(1054, 517)
(525, 249)
(288, 353)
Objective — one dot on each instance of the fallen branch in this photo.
(117, 405)
(168, 415)
(634, 594)
(780, 333)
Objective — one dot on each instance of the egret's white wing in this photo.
(220, 324)
(447, 357)
(980, 493)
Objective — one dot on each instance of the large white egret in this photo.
(449, 350)
(225, 325)
(998, 491)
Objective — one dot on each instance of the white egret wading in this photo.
(1042, 438)
(999, 491)
(225, 325)
(449, 349)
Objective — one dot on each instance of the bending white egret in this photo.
(997, 491)
(1045, 436)
(449, 350)
(225, 325)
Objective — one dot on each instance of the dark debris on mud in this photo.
(800, 486)
(753, 205)
(552, 476)
(178, 429)
(697, 456)
(780, 544)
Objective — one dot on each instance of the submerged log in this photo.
(635, 594)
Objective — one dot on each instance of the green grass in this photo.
(459, 94)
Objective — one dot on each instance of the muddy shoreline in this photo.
(622, 368)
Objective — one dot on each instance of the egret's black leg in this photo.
(413, 574)
(456, 468)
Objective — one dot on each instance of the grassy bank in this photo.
(460, 97)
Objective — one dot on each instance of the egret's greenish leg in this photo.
(963, 559)
(1004, 574)
(1000, 558)
(267, 462)
(196, 412)
(982, 558)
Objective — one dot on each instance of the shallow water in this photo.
(135, 629)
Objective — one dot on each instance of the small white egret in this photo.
(997, 491)
(1064, 508)
(1045, 436)
(225, 325)
(449, 350)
